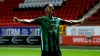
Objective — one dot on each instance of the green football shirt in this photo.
(49, 33)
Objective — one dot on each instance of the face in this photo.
(49, 11)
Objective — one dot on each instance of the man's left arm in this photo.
(74, 22)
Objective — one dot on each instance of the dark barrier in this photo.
(18, 40)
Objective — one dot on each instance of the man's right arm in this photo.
(25, 21)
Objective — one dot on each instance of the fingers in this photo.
(84, 20)
(15, 19)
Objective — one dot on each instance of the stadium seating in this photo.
(95, 16)
(39, 3)
(68, 9)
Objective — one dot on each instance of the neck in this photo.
(50, 16)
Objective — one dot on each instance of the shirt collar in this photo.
(49, 18)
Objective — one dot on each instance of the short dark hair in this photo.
(50, 5)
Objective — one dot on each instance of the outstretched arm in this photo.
(25, 21)
(73, 22)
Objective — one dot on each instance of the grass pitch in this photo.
(10, 51)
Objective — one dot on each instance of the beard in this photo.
(49, 13)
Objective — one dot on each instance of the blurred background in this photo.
(84, 36)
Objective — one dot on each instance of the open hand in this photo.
(15, 19)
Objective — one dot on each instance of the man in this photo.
(49, 26)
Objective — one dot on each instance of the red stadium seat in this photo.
(73, 9)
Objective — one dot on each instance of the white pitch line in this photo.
(40, 49)
(19, 48)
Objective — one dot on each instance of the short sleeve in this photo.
(38, 20)
(62, 21)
